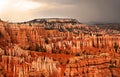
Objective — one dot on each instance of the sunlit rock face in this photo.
(88, 66)
(29, 37)
(92, 65)
(57, 47)
(19, 63)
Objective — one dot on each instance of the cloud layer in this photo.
(105, 11)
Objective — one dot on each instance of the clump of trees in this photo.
(77, 54)
(116, 47)
(1, 35)
(46, 41)
(40, 48)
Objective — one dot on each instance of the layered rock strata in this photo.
(58, 48)
(92, 66)
(25, 64)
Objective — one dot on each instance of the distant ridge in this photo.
(55, 20)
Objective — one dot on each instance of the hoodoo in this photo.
(59, 47)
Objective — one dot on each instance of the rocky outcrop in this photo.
(91, 66)
(20, 63)
(54, 41)
(59, 48)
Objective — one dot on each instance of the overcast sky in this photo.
(86, 11)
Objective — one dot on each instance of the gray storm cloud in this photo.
(86, 11)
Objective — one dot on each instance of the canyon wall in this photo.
(59, 48)
(92, 66)
(21, 63)
(35, 38)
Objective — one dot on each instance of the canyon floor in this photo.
(59, 47)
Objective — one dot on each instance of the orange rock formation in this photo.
(59, 48)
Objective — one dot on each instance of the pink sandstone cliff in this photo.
(59, 48)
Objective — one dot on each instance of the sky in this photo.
(86, 11)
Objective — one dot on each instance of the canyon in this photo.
(59, 47)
